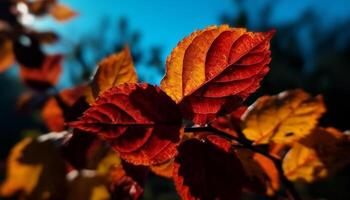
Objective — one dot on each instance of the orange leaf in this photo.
(62, 12)
(35, 169)
(318, 155)
(163, 169)
(283, 118)
(7, 57)
(112, 71)
(262, 175)
(213, 70)
(229, 123)
(45, 76)
(203, 170)
(55, 110)
(139, 120)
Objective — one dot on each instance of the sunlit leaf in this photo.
(318, 155)
(163, 169)
(202, 170)
(213, 70)
(112, 71)
(62, 12)
(283, 118)
(139, 120)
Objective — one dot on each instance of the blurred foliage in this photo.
(321, 68)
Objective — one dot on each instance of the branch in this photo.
(290, 189)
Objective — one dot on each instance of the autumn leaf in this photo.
(125, 186)
(229, 123)
(112, 71)
(320, 154)
(35, 169)
(125, 180)
(213, 70)
(261, 173)
(87, 184)
(7, 57)
(44, 76)
(62, 12)
(55, 110)
(163, 169)
(283, 118)
(112, 179)
(139, 120)
(203, 170)
(16, 172)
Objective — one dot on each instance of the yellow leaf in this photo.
(112, 71)
(108, 162)
(6, 55)
(62, 12)
(318, 155)
(100, 193)
(20, 176)
(283, 118)
(36, 169)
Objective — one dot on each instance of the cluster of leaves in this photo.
(20, 43)
(193, 129)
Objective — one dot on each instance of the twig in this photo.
(290, 189)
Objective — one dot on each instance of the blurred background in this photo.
(311, 50)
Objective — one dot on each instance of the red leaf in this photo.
(127, 181)
(45, 76)
(213, 70)
(229, 123)
(203, 170)
(139, 120)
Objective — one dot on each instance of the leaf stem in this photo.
(292, 193)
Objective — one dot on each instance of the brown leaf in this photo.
(139, 120)
(213, 70)
(319, 155)
(87, 184)
(283, 118)
(203, 170)
(112, 71)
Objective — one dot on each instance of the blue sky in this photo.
(166, 22)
